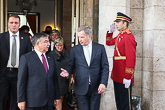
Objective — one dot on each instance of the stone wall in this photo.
(153, 91)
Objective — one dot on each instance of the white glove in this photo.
(127, 82)
(112, 28)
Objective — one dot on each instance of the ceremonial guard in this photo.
(123, 60)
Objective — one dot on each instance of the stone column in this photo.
(107, 14)
(136, 27)
(66, 22)
(153, 91)
(87, 13)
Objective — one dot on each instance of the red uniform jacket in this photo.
(125, 51)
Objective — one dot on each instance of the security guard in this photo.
(123, 60)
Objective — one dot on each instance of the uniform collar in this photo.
(125, 30)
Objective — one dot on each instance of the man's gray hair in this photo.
(37, 38)
(86, 29)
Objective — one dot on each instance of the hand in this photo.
(56, 102)
(64, 73)
(112, 28)
(72, 79)
(21, 105)
(101, 88)
(127, 82)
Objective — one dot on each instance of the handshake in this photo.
(112, 28)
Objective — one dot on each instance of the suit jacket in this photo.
(98, 69)
(35, 86)
(25, 47)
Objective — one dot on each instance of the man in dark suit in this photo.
(92, 70)
(37, 87)
(13, 44)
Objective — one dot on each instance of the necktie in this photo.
(88, 58)
(87, 54)
(44, 63)
(13, 53)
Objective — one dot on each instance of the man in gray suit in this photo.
(92, 70)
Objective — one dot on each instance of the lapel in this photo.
(7, 42)
(39, 63)
(80, 49)
(21, 40)
(94, 50)
(49, 63)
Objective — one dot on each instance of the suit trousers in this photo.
(90, 101)
(122, 96)
(8, 88)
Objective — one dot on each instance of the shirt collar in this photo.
(52, 42)
(39, 53)
(11, 34)
(89, 45)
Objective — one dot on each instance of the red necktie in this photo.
(44, 63)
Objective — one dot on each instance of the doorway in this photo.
(32, 20)
(62, 15)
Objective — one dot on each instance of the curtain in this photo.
(31, 19)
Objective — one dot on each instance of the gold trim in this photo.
(129, 70)
(129, 98)
(119, 58)
(125, 30)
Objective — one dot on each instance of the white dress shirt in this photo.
(40, 57)
(52, 45)
(90, 50)
(18, 49)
